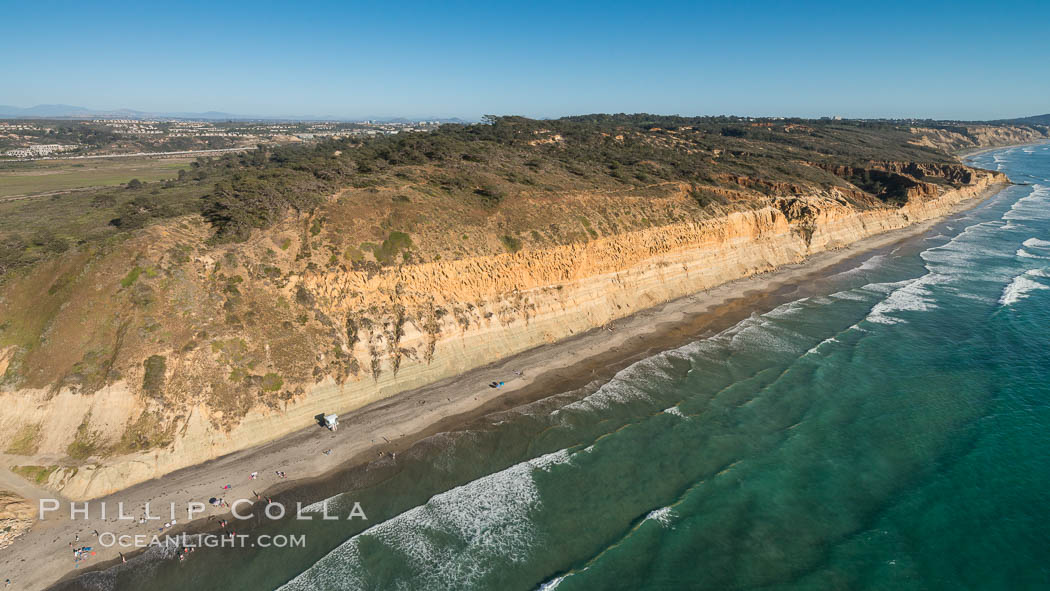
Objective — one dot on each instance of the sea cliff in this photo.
(151, 386)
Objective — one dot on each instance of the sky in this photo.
(951, 60)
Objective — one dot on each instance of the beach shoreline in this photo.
(374, 433)
(962, 155)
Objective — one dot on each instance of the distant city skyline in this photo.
(541, 59)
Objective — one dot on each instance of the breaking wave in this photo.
(674, 410)
(664, 516)
(1024, 254)
(488, 519)
(1022, 286)
(912, 297)
(1036, 243)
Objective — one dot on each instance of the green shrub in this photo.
(153, 378)
(394, 244)
(131, 277)
(511, 243)
(272, 382)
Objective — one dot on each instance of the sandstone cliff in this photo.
(16, 517)
(963, 137)
(152, 354)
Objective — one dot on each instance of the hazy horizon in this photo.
(214, 113)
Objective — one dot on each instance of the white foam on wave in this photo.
(850, 295)
(956, 257)
(488, 517)
(1024, 254)
(1036, 243)
(765, 335)
(664, 516)
(1031, 206)
(761, 331)
(674, 410)
(317, 507)
(1022, 286)
(826, 341)
(615, 391)
(954, 260)
(914, 296)
(552, 584)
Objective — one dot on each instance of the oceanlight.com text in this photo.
(110, 540)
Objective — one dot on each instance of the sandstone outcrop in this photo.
(963, 137)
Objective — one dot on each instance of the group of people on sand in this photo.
(185, 551)
(80, 554)
(498, 385)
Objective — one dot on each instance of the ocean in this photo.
(886, 426)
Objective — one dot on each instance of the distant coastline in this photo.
(970, 152)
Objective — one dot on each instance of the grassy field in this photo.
(45, 176)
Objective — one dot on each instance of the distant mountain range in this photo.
(74, 112)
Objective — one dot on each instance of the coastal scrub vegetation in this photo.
(482, 165)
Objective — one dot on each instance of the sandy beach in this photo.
(969, 152)
(43, 556)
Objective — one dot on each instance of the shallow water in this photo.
(889, 428)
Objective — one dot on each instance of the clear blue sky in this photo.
(543, 59)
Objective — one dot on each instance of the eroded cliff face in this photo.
(964, 137)
(16, 517)
(153, 356)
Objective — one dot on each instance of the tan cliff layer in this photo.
(16, 517)
(394, 330)
(965, 137)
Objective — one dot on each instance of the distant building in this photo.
(40, 150)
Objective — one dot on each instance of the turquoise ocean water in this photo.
(886, 427)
